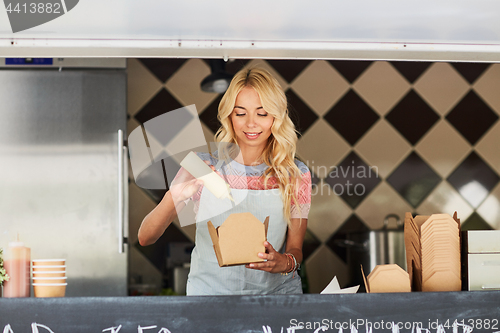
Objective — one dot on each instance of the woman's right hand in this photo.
(184, 186)
(154, 224)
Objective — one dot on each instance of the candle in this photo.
(17, 266)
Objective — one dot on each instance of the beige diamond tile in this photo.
(443, 148)
(321, 148)
(445, 200)
(383, 200)
(140, 204)
(383, 147)
(209, 137)
(322, 266)
(328, 211)
(442, 87)
(259, 63)
(381, 86)
(185, 84)
(320, 86)
(489, 147)
(487, 86)
(190, 135)
(142, 85)
(490, 208)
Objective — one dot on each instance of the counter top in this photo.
(473, 311)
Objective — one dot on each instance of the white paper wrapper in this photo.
(334, 288)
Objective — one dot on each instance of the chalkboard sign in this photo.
(453, 312)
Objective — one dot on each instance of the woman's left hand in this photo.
(275, 261)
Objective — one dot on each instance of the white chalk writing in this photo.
(113, 329)
(35, 326)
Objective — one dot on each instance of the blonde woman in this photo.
(254, 117)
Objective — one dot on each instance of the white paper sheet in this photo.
(334, 288)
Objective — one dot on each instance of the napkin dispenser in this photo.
(483, 259)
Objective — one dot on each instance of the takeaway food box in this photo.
(238, 240)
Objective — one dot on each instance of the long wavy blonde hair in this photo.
(279, 153)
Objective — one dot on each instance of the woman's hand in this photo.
(154, 224)
(276, 262)
(185, 185)
(280, 263)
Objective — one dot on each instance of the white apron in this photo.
(205, 275)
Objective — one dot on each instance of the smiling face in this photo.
(251, 123)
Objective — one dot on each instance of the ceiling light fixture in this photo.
(218, 81)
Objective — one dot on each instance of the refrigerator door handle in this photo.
(122, 192)
(125, 196)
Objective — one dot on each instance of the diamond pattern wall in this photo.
(413, 179)
(412, 117)
(353, 179)
(431, 131)
(473, 179)
(351, 117)
(472, 117)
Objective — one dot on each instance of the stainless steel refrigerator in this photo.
(63, 176)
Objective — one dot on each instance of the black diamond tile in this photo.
(232, 67)
(315, 180)
(302, 116)
(209, 115)
(472, 117)
(351, 117)
(411, 70)
(352, 180)
(475, 222)
(162, 68)
(412, 117)
(289, 69)
(473, 179)
(336, 243)
(351, 70)
(311, 243)
(161, 103)
(470, 71)
(156, 195)
(414, 179)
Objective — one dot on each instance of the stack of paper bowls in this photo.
(49, 277)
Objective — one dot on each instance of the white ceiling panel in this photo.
(459, 30)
